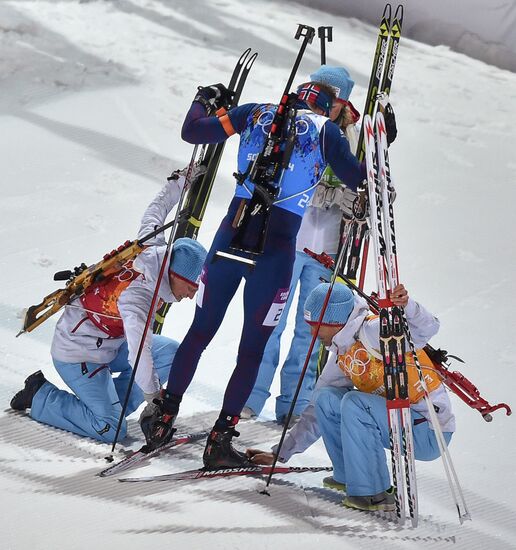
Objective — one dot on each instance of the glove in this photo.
(216, 95)
(346, 198)
(390, 123)
(326, 196)
(152, 408)
(180, 175)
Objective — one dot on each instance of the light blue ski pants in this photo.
(95, 408)
(354, 427)
(307, 272)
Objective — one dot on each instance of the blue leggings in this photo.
(265, 293)
(95, 408)
(355, 430)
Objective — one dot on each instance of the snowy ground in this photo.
(93, 96)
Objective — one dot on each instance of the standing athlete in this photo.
(318, 143)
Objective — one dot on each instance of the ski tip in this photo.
(387, 11)
(244, 55)
(251, 61)
(398, 14)
(134, 479)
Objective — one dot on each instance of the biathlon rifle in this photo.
(81, 277)
(266, 171)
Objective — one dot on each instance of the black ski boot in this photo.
(159, 428)
(219, 452)
(23, 399)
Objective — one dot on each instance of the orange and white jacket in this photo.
(361, 327)
(78, 339)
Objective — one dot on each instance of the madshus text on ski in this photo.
(313, 189)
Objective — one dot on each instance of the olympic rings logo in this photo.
(356, 366)
(127, 273)
(266, 118)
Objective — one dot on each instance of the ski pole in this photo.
(449, 468)
(324, 34)
(303, 371)
(150, 315)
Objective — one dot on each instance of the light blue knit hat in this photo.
(187, 259)
(340, 304)
(336, 77)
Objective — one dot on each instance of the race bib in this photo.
(278, 305)
(200, 291)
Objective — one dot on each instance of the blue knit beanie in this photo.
(187, 259)
(336, 77)
(340, 304)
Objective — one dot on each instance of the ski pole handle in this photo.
(324, 34)
(308, 33)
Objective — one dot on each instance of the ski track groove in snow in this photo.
(294, 502)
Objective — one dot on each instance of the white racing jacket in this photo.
(320, 228)
(77, 339)
(423, 325)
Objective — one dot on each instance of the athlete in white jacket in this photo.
(99, 334)
(353, 423)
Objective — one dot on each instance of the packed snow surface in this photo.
(93, 97)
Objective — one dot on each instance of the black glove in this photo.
(216, 95)
(390, 123)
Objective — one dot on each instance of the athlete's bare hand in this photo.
(399, 296)
(260, 457)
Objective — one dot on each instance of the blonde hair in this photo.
(345, 117)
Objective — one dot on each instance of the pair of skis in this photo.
(380, 84)
(392, 337)
(229, 472)
(141, 457)
(194, 207)
(394, 332)
(184, 213)
(354, 230)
